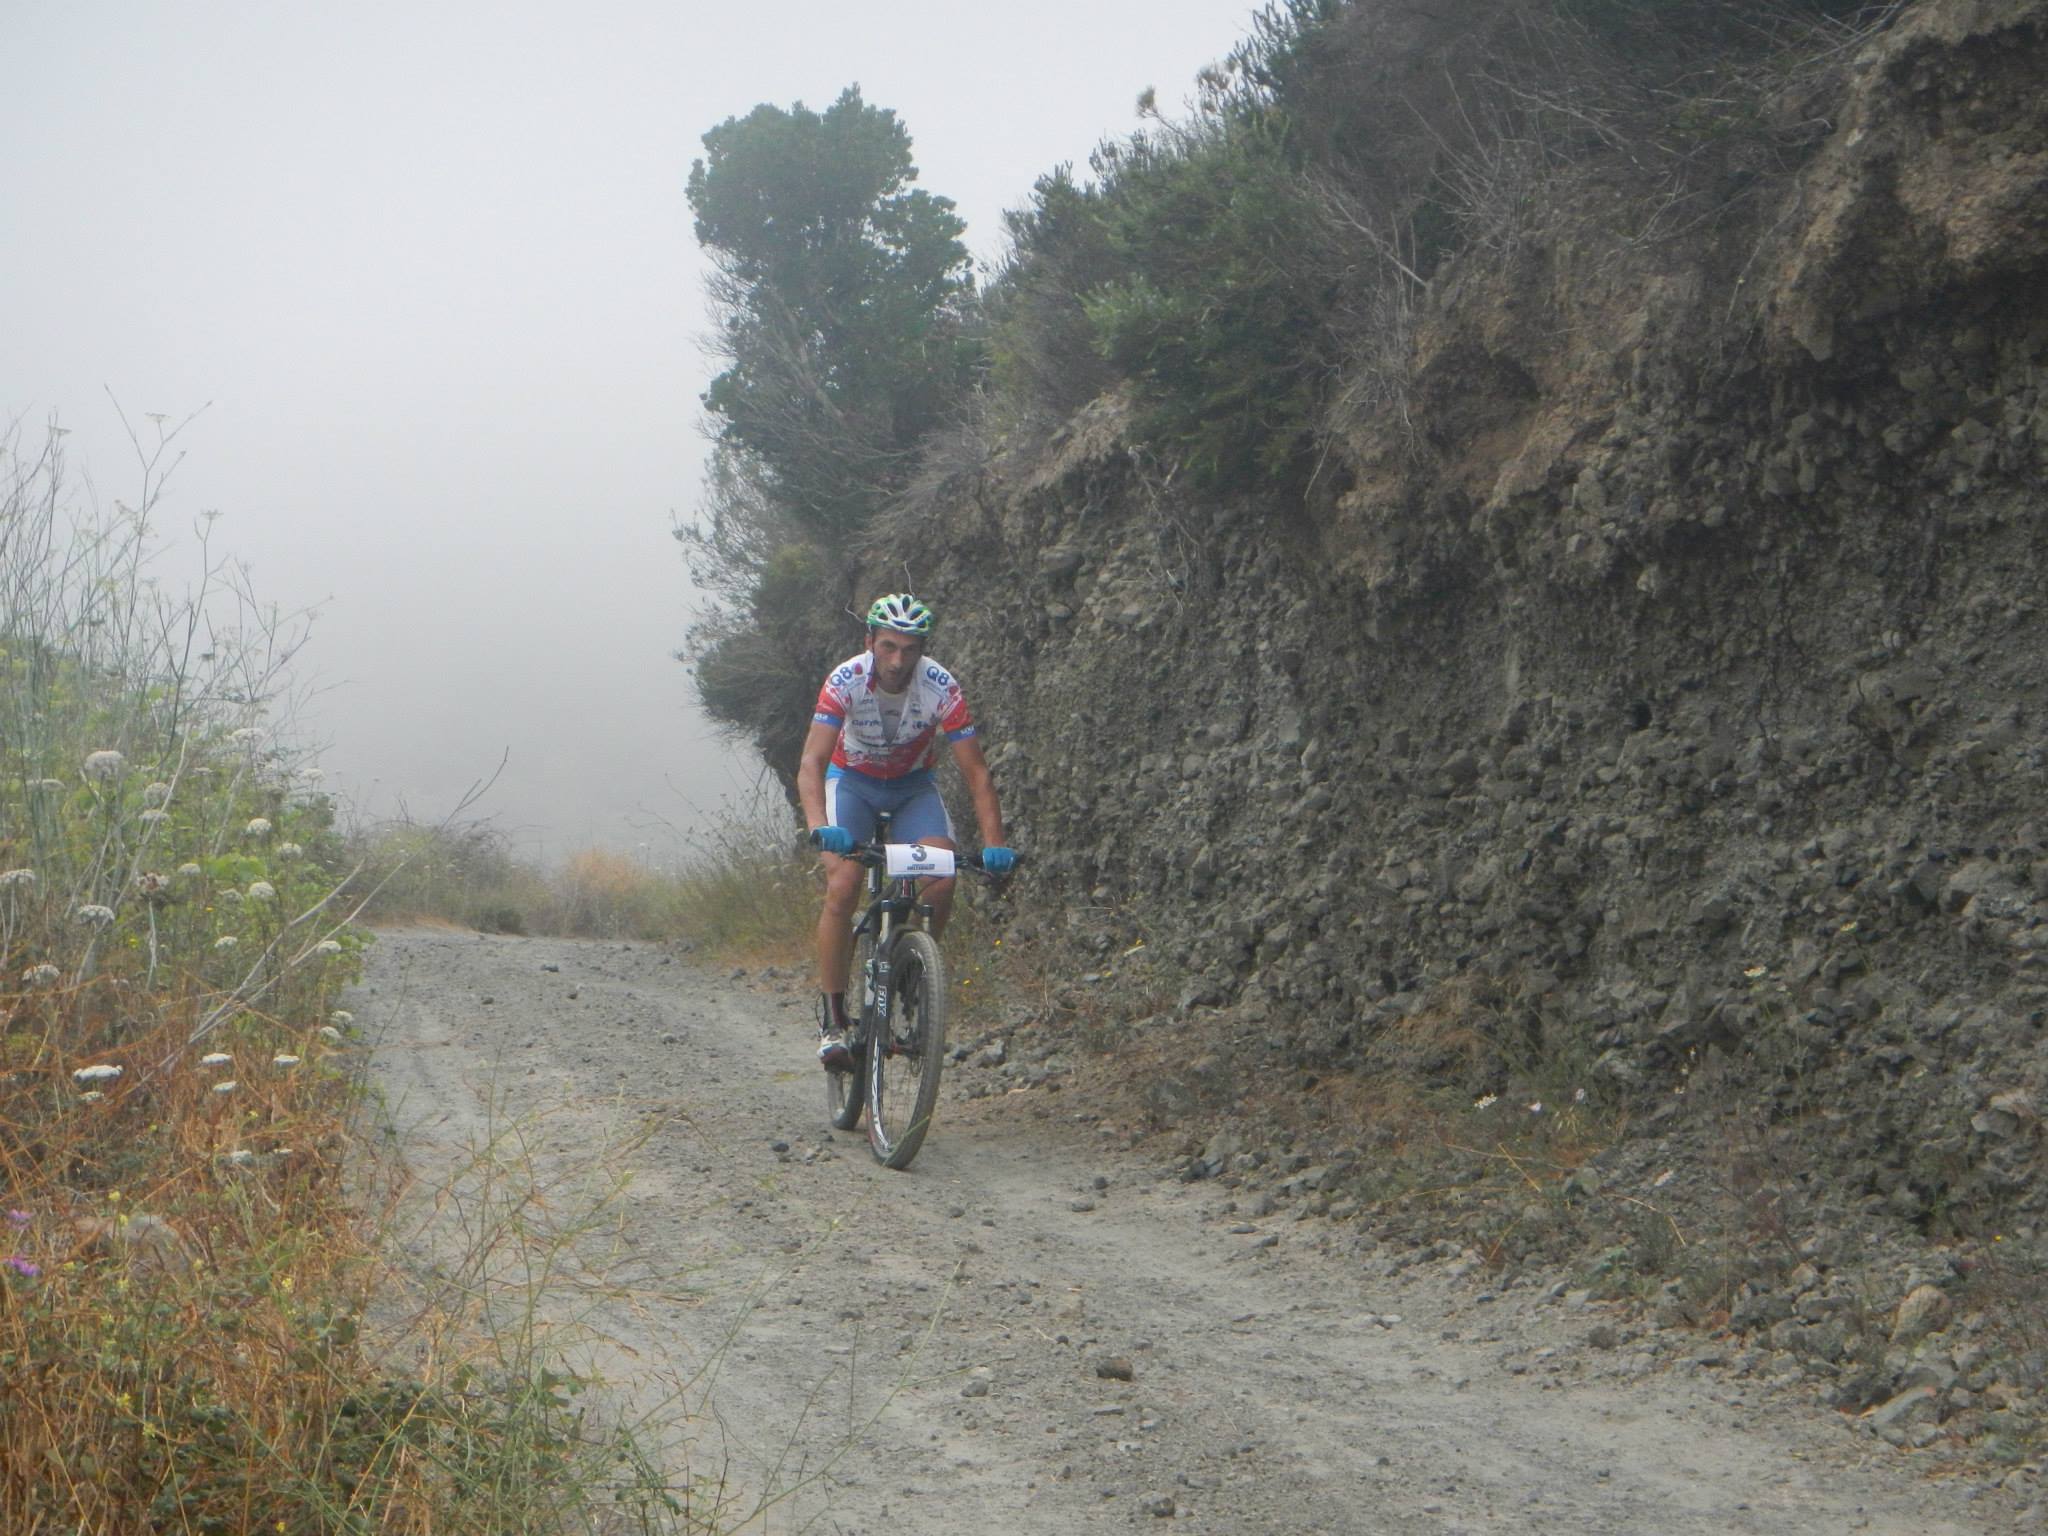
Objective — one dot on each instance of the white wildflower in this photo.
(289, 850)
(1536, 1108)
(1578, 1096)
(1486, 1101)
(1755, 971)
(226, 1085)
(226, 941)
(105, 766)
(48, 786)
(284, 1059)
(246, 736)
(341, 1018)
(312, 775)
(189, 871)
(230, 897)
(327, 947)
(158, 793)
(259, 826)
(105, 1072)
(330, 1034)
(241, 1157)
(215, 1059)
(91, 1096)
(93, 912)
(153, 817)
(42, 975)
(17, 879)
(262, 890)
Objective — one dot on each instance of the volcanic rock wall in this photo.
(1668, 684)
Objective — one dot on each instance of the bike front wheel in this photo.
(904, 1059)
(846, 1092)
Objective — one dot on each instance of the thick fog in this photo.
(428, 270)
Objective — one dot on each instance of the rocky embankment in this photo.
(1660, 697)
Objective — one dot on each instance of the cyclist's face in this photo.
(896, 657)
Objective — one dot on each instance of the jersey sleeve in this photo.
(954, 719)
(831, 706)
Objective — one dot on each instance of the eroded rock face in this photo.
(1692, 707)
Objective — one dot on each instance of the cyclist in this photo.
(873, 739)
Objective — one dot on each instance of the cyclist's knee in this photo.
(842, 887)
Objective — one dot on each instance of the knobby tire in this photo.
(903, 1073)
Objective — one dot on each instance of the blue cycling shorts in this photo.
(917, 814)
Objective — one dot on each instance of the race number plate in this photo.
(918, 861)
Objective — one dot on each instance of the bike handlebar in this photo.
(876, 855)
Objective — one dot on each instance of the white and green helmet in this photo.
(903, 613)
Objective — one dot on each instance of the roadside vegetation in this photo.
(740, 896)
(189, 1247)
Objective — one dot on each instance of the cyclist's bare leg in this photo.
(835, 930)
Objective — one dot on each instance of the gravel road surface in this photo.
(1038, 1329)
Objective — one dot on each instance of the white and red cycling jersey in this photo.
(885, 737)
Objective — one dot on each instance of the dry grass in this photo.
(183, 1267)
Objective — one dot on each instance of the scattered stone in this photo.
(1083, 1204)
(549, 965)
(1114, 1368)
(1159, 1504)
(1899, 1421)
(978, 1382)
(1925, 1310)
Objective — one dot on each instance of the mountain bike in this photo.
(897, 1037)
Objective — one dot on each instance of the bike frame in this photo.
(891, 902)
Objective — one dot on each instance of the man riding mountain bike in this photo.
(873, 740)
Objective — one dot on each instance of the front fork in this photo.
(874, 983)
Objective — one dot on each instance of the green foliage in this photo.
(839, 293)
(843, 295)
(1218, 319)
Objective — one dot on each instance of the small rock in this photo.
(1925, 1310)
(978, 1382)
(1895, 1421)
(1083, 1204)
(549, 965)
(1159, 1504)
(778, 1146)
(1114, 1368)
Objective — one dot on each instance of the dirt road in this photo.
(926, 1352)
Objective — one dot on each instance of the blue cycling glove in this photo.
(998, 861)
(833, 840)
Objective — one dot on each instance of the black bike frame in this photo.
(890, 901)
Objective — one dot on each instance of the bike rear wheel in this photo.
(846, 1092)
(903, 1068)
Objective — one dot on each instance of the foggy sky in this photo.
(431, 266)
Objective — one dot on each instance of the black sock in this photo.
(835, 1010)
